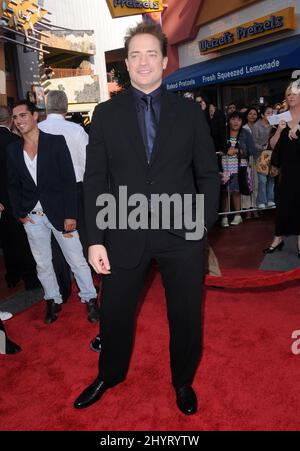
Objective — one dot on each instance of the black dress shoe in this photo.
(186, 400)
(271, 249)
(93, 310)
(11, 347)
(91, 394)
(51, 309)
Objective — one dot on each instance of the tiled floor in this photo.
(16, 299)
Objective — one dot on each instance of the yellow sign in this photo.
(278, 21)
(20, 14)
(122, 8)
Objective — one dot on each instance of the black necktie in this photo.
(150, 124)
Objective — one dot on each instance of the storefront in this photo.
(20, 38)
(256, 71)
(244, 77)
(123, 8)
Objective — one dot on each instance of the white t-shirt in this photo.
(75, 136)
(32, 168)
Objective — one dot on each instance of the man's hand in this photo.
(26, 219)
(69, 225)
(2, 208)
(98, 259)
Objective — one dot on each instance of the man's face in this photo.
(24, 120)
(231, 108)
(212, 109)
(145, 62)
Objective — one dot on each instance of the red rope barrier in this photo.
(254, 281)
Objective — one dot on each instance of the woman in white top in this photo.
(261, 134)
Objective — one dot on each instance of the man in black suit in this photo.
(43, 194)
(18, 259)
(151, 142)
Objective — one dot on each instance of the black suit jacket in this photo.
(56, 182)
(183, 161)
(6, 138)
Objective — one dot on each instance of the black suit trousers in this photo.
(81, 227)
(180, 263)
(18, 259)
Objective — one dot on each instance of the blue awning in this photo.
(269, 58)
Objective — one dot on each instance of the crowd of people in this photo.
(53, 173)
(244, 142)
(42, 168)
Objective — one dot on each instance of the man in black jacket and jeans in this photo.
(18, 259)
(42, 189)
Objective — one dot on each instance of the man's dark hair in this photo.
(30, 106)
(147, 28)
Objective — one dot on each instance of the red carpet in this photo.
(247, 379)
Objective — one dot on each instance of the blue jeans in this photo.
(39, 237)
(265, 192)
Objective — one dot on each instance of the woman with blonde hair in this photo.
(286, 156)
